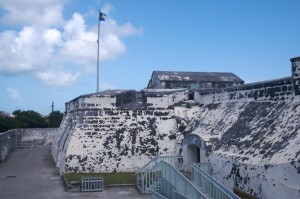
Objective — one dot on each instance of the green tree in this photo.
(29, 119)
(7, 123)
(55, 118)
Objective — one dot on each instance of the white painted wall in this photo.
(167, 100)
(105, 143)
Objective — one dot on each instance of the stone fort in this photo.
(250, 133)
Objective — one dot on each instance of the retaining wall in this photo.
(253, 145)
(113, 141)
(273, 90)
(12, 139)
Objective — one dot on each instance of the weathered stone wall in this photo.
(252, 135)
(273, 90)
(262, 180)
(116, 140)
(296, 74)
(254, 146)
(92, 101)
(7, 144)
(165, 101)
(12, 139)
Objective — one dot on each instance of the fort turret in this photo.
(296, 74)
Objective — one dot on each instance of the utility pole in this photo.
(52, 106)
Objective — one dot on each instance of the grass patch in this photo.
(109, 178)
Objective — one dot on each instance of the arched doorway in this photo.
(193, 151)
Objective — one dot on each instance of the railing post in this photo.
(143, 184)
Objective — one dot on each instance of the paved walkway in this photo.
(31, 174)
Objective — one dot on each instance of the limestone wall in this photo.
(165, 101)
(296, 74)
(96, 135)
(252, 135)
(7, 144)
(92, 101)
(116, 140)
(273, 90)
(254, 146)
(12, 139)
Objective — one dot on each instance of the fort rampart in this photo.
(24, 138)
(249, 133)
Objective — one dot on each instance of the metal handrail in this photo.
(229, 194)
(189, 186)
(154, 178)
(145, 174)
(205, 167)
(154, 161)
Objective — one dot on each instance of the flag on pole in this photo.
(102, 16)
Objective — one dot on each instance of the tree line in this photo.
(30, 119)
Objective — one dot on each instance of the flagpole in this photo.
(98, 41)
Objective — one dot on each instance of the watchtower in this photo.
(296, 74)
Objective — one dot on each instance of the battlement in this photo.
(147, 99)
(281, 89)
(272, 90)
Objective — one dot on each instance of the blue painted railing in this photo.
(205, 167)
(176, 185)
(148, 178)
(176, 161)
(209, 185)
(92, 184)
(164, 180)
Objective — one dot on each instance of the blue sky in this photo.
(48, 48)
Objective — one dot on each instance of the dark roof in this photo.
(197, 76)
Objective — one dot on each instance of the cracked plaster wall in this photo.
(103, 139)
(254, 146)
(165, 101)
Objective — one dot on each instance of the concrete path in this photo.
(31, 174)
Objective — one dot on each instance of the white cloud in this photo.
(14, 94)
(57, 78)
(107, 8)
(52, 37)
(79, 44)
(27, 50)
(111, 27)
(49, 41)
(32, 12)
